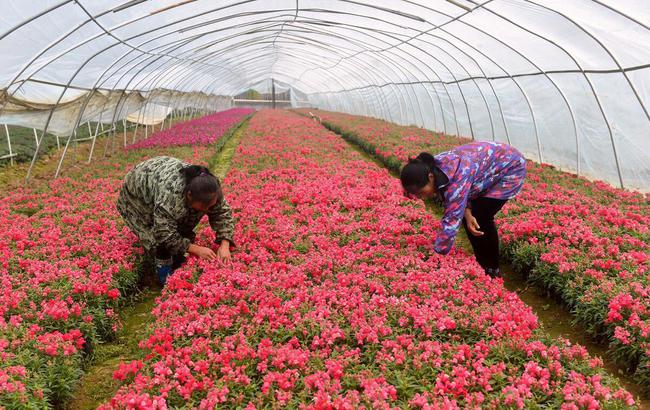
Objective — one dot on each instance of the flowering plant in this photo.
(199, 131)
(586, 241)
(66, 263)
(333, 300)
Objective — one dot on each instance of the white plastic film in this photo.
(566, 82)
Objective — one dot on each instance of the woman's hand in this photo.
(224, 251)
(202, 252)
(472, 223)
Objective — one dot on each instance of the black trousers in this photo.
(486, 246)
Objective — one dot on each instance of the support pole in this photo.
(92, 148)
(65, 150)
(11, 154)
(273, 92)
(35, 138)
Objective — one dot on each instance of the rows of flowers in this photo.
(333, 300)
(67, 264)
(586, 241)
(199, 131)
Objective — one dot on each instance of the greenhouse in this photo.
(325, 204)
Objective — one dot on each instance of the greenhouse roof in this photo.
(567, 82)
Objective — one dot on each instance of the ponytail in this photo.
(427, 159)
(415, 174)
(200, 182)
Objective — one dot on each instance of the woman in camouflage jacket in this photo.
(163, 199)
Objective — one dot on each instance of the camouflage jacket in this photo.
(154, 207)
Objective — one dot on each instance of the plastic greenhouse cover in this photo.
(566, 82)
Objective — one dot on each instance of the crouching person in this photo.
(162, 201)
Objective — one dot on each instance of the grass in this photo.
(98, 384)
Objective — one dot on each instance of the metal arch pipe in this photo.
(173, 46)
(453, 76)
(240, 62)
(451, 101)
(402, 68)
(81, 114)
(352, 73)
(394, 62)
(447, 91)
(604, 47)
(512, 78)
(170, 24)
(87, 41)
(344, 26)
(67, 142)
(607, 6)
(334, 78)
(615, 60)
(51, 113)
(185, 42)
(218, 79)
(35, 17)
(602, 111)
(156, 59)
(469, 118)
(399, 66)
(388, 66)
(460, 64)
(109, 33)
(514, 81)
(495, 93)
(54, 108)
(421, 33)
(496, 96)
(361, 62)
(487, 107)
(436, 74)
(528, 103)
(117, 106)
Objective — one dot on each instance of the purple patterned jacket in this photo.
(478, 169)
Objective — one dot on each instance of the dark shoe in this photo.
(178, 261)
(493, 272)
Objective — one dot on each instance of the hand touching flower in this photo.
(472, 223)
(223, 253)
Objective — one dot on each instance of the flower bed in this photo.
(587, 241)
(199, 131)
(332, 301)
(66, 264)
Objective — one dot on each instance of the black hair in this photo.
(415, 174)
(200, 182)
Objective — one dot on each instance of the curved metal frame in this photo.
(203, 66)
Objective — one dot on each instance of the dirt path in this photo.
(97, 384)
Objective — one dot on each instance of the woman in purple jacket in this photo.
(473, 181)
